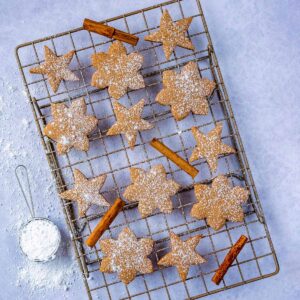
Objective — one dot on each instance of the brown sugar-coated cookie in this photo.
(185, 91)
(182, 255)
(151, 189)
(127, 256)
(210, 146)
(129, 121)
(117, 70)
(56, 68)
(219, 202)
(86, 192)
(70, 126)
(172, 34)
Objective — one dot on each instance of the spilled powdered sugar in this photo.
(19, 144)
(49, 276)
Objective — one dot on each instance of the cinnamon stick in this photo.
(110, 32)
(97, 27)
(175, 158)
(104, 223)
(229, 259)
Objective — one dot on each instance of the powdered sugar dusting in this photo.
(56, 68)
(117, 70)
(86, 192)
(129, 121)
(151, 189)
(70, 126)
(171, 34)
(182, 255)
(126, 255)
(210, 146)
(185, 91)
(219, 203)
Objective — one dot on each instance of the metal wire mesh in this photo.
(111, 156)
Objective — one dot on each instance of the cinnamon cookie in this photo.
(129, 121)
(117, 70)
(86, 192)
(151, 189)
(219, 202)
(70, 126)
(210, 146)
(185, 91)
(127, 256)
(172, 34)
(183, 255)
(56, 68)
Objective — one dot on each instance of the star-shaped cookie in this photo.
(129, 121)
(210, 146)
(86, 192)
(185, 91)
(183, 254)
(151, 189)
(171, 34)
(219, 202)
(70, 126)
(127, 256)
(117, 70)
(56, 68)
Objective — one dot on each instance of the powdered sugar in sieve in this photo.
(40, 237)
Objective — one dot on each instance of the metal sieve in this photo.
(23, 179)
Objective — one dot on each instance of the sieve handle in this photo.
(23, 181)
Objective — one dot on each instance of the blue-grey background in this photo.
(258, 45)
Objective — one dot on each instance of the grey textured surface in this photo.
(258, 45)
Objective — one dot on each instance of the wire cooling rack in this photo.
(111, 155)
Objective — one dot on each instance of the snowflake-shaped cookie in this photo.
(151, 189)
(127, 256)
(117, 70)
(185, 91)
(219, 202)
(70, 126)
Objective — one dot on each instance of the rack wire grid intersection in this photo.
(111, 156)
